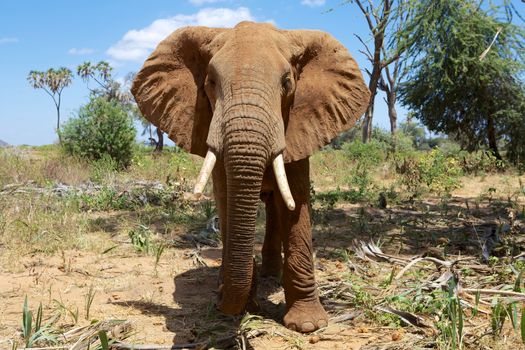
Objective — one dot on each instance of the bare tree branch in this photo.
(368, 54)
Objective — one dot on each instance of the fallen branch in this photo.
(447, 264)
(369, 250)
(407, 317)
(346, 317)
(494, 291)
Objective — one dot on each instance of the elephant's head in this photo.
(250, 96)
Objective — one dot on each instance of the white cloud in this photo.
(136, 44)
(202, 2)
(313, 3)
(80, 52)
(8, 40)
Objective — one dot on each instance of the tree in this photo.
(53, 82)
(514, 129)
(383, 20)
(102, 128)
(109, 88)
(394, 72)
(377, 20)
(464, 77)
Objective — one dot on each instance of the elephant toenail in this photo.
(292, 327)
(322, 323)
(308, 327)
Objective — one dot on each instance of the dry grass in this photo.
(38, 225)
(21, 165)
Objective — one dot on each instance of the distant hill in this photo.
(3, 143)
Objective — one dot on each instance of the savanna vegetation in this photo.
(419, 236)
(415, 246)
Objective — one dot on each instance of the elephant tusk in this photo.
(282, 182)
(204, 175)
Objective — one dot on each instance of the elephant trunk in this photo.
(246, 155)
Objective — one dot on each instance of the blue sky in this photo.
(37, 35)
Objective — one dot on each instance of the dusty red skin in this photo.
(248, 94)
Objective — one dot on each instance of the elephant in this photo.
(256, 101)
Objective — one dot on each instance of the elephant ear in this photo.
(169, 89)
(330, 95)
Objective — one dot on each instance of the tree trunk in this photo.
(491, 135)
(375, 76)
(160, 141)
(392, 112)
(378, 32)
(58, 125)
(367, 122)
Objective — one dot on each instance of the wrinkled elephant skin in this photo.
(257, 102)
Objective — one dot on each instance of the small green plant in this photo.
(88, 300)
(158, 249)
(105, 199)
(451, 321)
(65, 310)
(208, 209)
(497, 317)
(141, 239)
(250, 322)
(38, 332)
(27, 320)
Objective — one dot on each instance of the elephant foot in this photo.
(306, 317)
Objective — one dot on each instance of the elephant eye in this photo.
(287, 83)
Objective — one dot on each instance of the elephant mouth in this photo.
(278, 169)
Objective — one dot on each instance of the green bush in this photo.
(364, 157)
(398, 142)
(480, 162)
(430, 172)
(368, 154)
(102, 128)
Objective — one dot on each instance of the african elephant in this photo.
(256, 102)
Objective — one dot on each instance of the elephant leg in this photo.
(272, 261)
(304, 311)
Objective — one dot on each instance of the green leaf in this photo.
(523, 324)
(104, 343)
(27, 319)
(517, 284)
(38, 321)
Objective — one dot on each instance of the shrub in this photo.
(368, 154)
(398, 142)
(101, 128)
(432, 171)
(102, 169)
(365, 157)
(480, 162)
